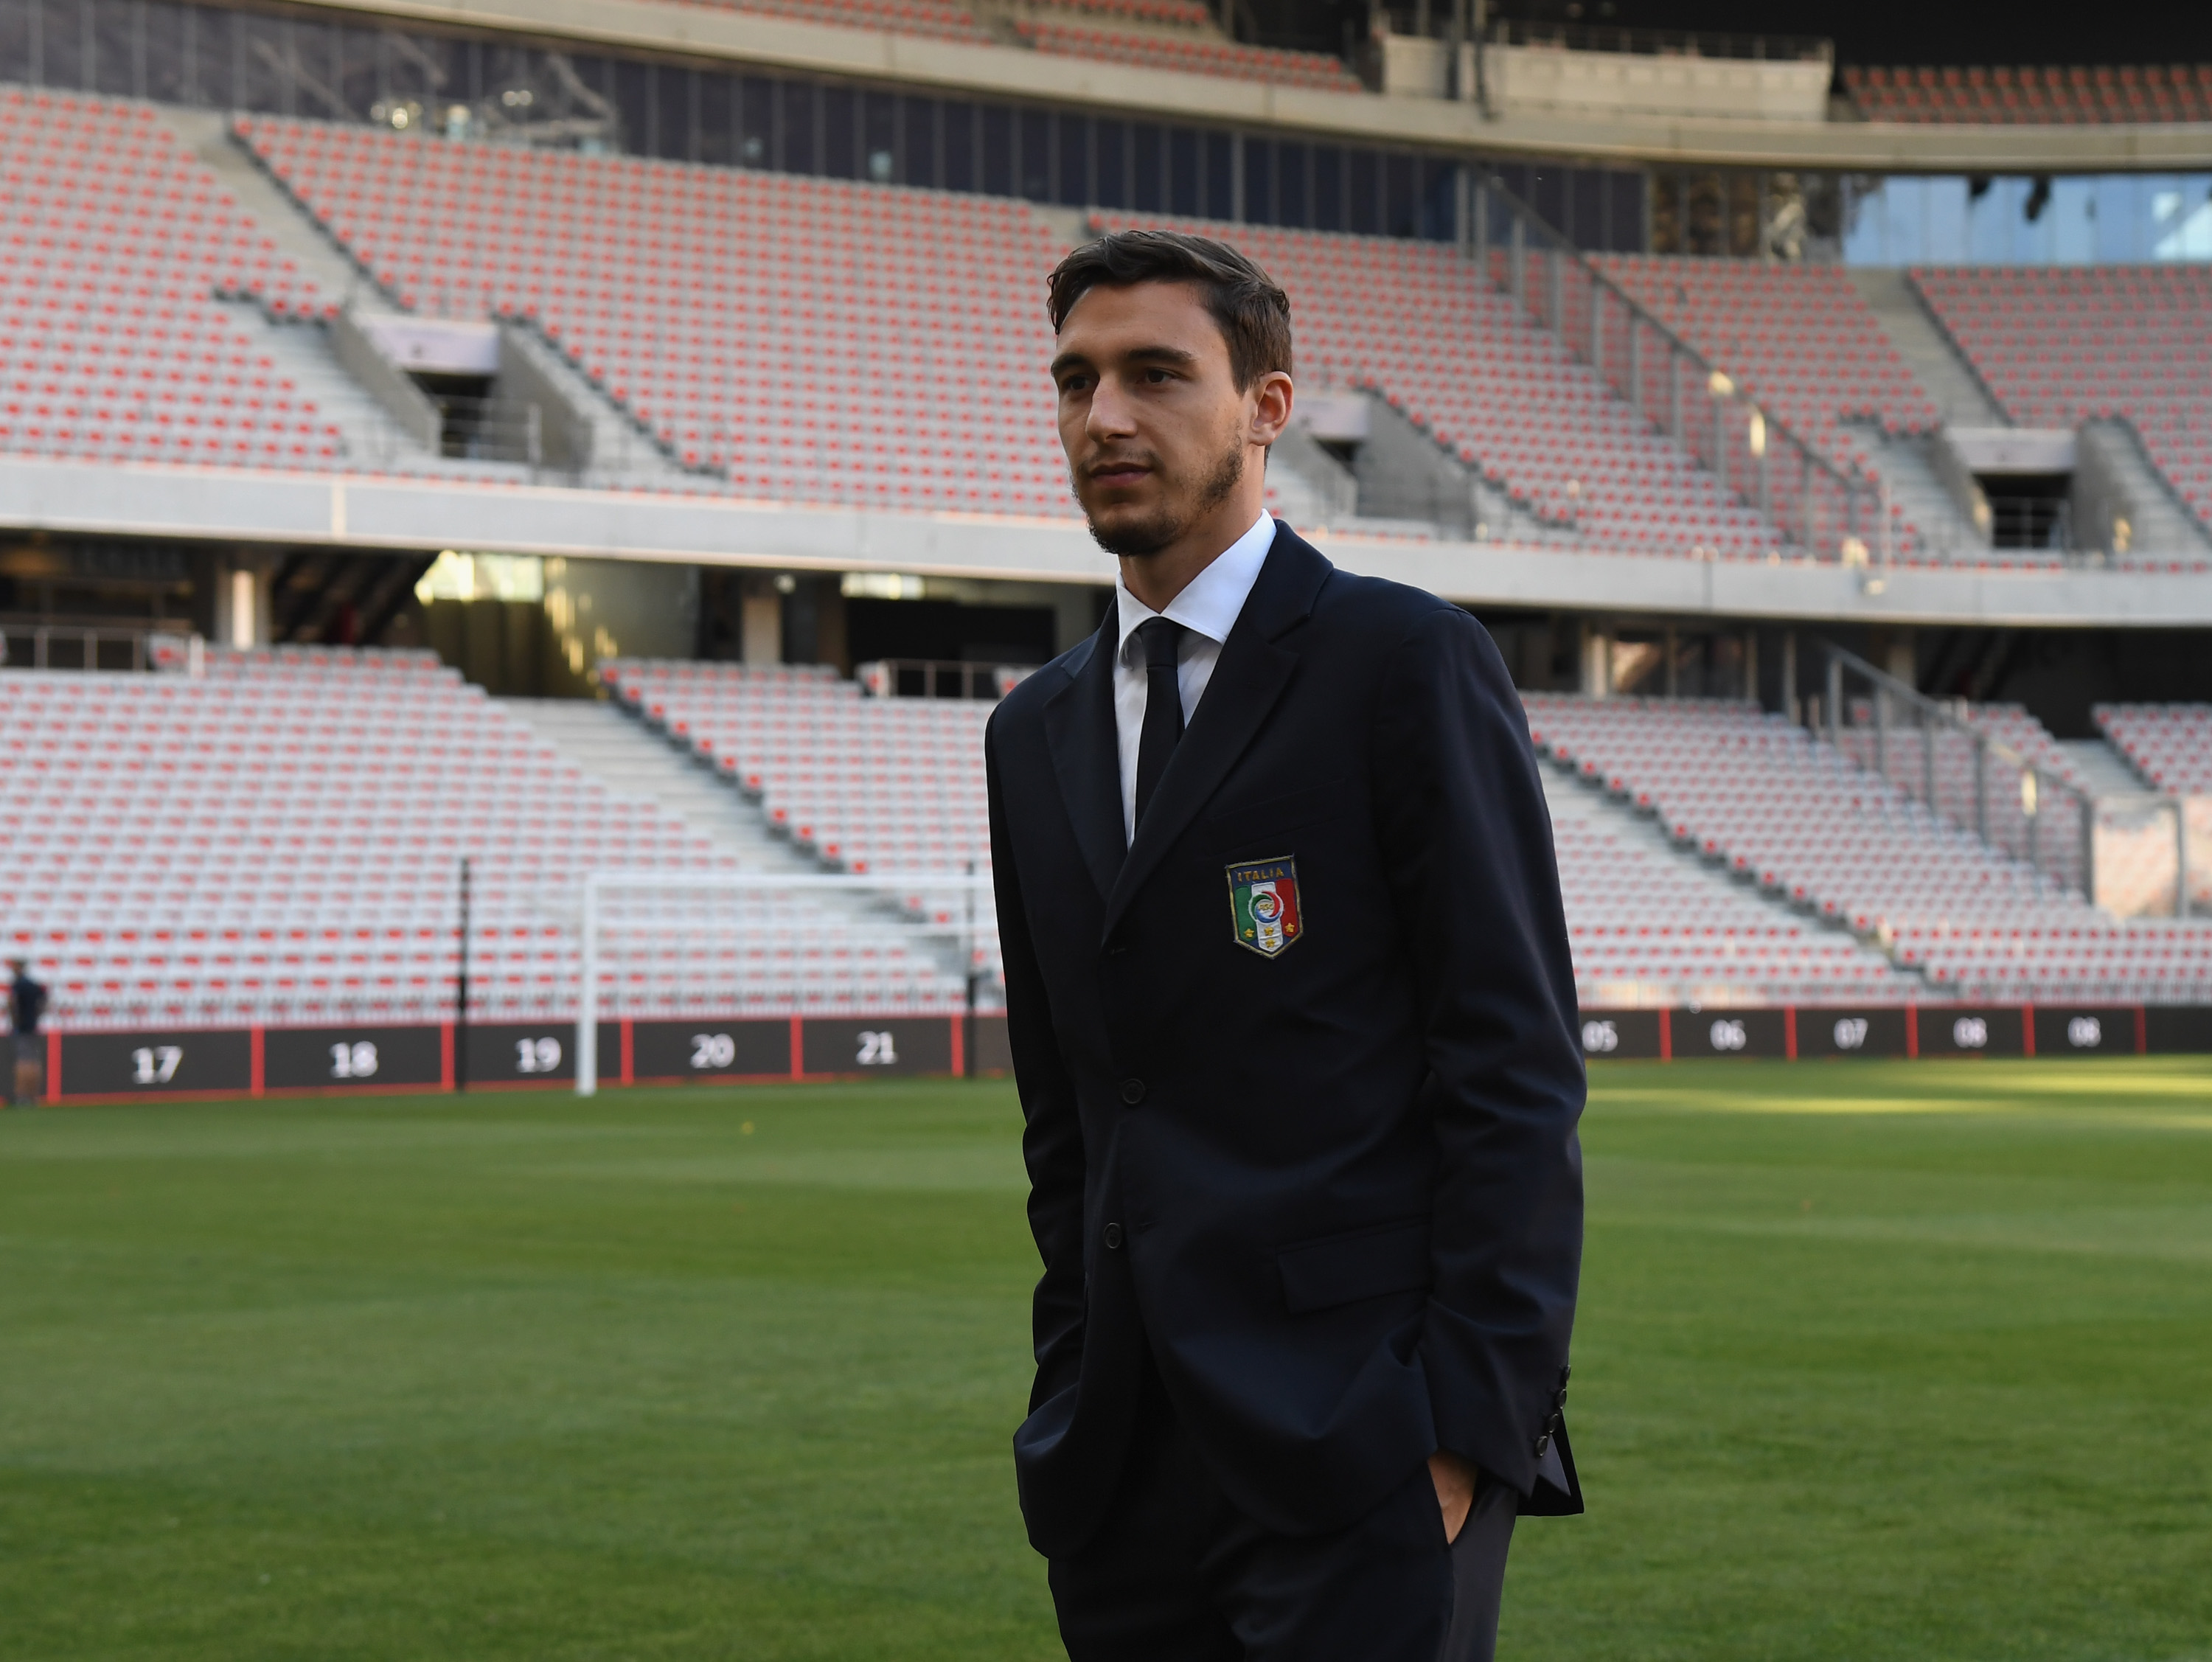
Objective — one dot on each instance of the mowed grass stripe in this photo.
(1874, 1360)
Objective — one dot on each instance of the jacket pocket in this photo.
(1361, 1263)
(1278, 816)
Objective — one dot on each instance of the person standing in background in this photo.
(22, 1075)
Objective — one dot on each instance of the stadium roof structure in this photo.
(721, 34)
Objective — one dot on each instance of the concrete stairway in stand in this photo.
(2163, 524)
(372, 440)
(632, 759)
(1946, 376)
(206, 134)
(2101, 771)
(301, 350)
(1946, 533)
(1571, 797)
(623, 456)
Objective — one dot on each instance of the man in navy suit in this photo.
(1293, 1023)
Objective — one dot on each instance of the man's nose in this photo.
(1112, 414)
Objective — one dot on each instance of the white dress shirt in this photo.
(1207, 609)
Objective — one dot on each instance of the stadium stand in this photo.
(865, 784)
(2033, 96)
(2013, 725)
(279, 842)
(1194, 54)
(168, 861)
(2002, 817)
(2169, 745)
(743, 316)
(2060, 345)
(759, 354)
(1417, 323)
(933, 19)
(1644, 930)
(756, 355)
(274, 837)
(893, 783)
(1174, 14)
(1800, 819)
(1800, 340)
(749, 354)
(1169, 35)
(117, 242)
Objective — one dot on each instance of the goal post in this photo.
(769, 944)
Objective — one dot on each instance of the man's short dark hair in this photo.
(1254, 314)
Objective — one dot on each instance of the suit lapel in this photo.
(1246, 680)
(1086, 756)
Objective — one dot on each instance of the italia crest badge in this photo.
(1263, 904)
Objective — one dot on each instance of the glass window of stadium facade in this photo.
(312, 65)
(316, 66)
(2111, 219)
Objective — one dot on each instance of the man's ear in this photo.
(1272, 399)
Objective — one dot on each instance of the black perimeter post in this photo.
(968, 1035)
(461, 991)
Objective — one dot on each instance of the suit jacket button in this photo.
(1543, 1443)
(1132, 1091)
(1112, 1237)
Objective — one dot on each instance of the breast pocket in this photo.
(1272, 821)
(1360, 1264)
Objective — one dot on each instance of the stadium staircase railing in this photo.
(100, 644)
(2014, 801)
(1821, 511)
(937, 678)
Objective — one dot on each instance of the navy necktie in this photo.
(1162, 644)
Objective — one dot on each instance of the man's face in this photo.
(1155, 427)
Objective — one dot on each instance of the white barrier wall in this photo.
(2151, 850)
(1554, 81)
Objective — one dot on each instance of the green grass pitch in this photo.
(1874, 1360)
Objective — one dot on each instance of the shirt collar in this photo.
(1211, 601)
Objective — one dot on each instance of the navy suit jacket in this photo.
(1334, 1192)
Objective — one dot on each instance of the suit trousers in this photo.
(1176, 1574)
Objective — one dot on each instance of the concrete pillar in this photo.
(831, 643)
(761, 621)
(241, 605)
(1597, 660)
(1901, 660)
(1535, 644)
(1075, 614)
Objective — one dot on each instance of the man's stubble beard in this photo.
(1149, 536)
